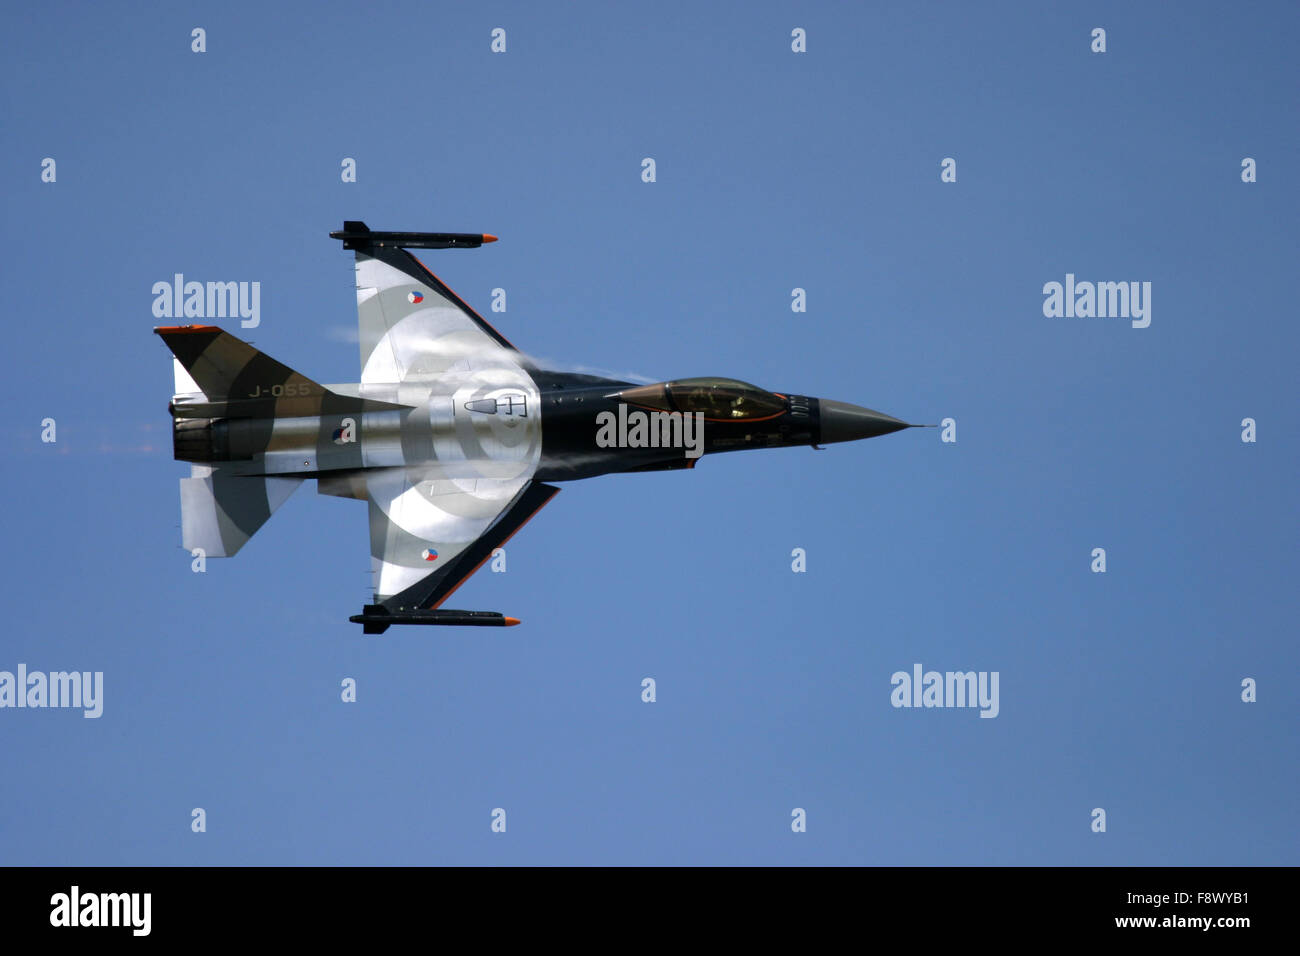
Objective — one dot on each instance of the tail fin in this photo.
(220, 512)
(221, 376)
(226, 368)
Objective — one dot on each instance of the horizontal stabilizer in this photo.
(220, 512)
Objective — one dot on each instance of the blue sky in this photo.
(775, 170)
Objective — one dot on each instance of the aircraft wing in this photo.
(428, 534)
(412, 327)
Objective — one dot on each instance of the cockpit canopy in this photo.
(720, 399)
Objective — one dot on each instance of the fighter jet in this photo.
(452, 437)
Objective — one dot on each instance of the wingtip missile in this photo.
(357, 235)
(376, 618)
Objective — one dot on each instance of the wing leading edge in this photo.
(416, 526)
(411, 326)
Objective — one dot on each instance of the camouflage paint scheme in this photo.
(442, 437)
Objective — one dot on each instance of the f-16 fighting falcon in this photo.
(452, 435)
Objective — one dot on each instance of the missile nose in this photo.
(841, 421)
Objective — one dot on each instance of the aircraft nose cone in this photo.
(841, 421)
